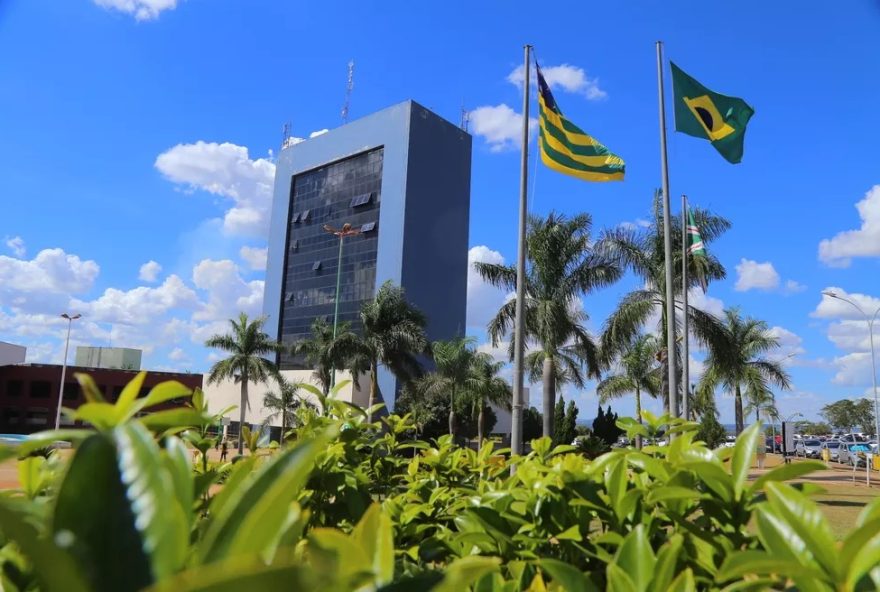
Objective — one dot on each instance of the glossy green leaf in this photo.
(743, 456)
(760, 563)
(48, 438)
(331, 551)
(667, 560)
(89, 388)
(57, 570)
(683, 583)
(636, 558)
(671, 492)
(786, 472)
(464, 571)
(100, 415)
(619, 580)
(130, 393)
(375, 536)
(31, 475)
(159, 515)
(252, 518)
(807, 520)
(861, 552)
(570, 578)
(869, 513)
(240, 574)
(177, 463)
(172, 418)
(95, 522)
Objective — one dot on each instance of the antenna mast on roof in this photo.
(465, 117)
(285, 135)
(349, 86)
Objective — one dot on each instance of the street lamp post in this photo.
(70, 320)
(870, 320)
(343, 232)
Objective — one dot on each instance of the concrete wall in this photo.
(108, 357)
(226, 393)
(12, 354)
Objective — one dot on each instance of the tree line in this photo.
(565, 264)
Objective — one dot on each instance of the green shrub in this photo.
(353, 505)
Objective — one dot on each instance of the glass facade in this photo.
(347, 191)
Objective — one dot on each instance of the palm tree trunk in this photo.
(374, 386)
(664, 382)
(638, 416)
(452, 412)
(549, 378)
(244, 399)
(480, 419)
(738, 410)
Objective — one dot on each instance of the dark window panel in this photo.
(41, 389)
(14, 388)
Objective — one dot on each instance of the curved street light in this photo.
(870, 320)
(342, 233)
(70, 320)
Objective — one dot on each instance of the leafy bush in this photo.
(354, 505)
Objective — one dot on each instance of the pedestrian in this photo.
(223, 451)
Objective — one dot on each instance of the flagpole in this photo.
(516, 443)
(667, 242)
(685, 356)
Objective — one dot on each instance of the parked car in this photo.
(729, 442)
(833, 447)
(807, 448)
(848, 453)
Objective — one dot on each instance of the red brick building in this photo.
(29, 392)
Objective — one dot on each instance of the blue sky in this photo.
(138, 131)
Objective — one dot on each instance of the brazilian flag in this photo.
(701, 113)
(567, 148)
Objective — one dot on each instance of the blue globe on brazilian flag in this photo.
(702, 113)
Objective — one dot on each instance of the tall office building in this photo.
(401, 177)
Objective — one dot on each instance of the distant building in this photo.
(401, 177)
(121, 358)
(502, 415)
(12, 354)
(29, 392)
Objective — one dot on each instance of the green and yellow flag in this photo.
(702, 113)
(567, 148)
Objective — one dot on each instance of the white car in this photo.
(729, 442)
(833, 447)
(808, 448)
(848, 453)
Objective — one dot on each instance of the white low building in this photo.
(12, 354)
(502, 416)
(228, 392)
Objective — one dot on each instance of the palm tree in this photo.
(642, 252)
(483, 387)
(740, 363)
(562, 265)
(317, 350)
(761, 402)
(393, 334)
(453, 362)
(639, 373)
(246, 344)
(283, 404)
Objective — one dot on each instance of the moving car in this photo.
(808, 448)
(833, 447)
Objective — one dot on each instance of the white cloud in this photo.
(850, 335)
(635, 224)
(254, 257)
(483, 299)
(704, 302)
(753, 275)
(853, 369)
(142, 10)
(567, 77)
(500, 125)
(52, 270)
(500, 353)
(227, 293)
(141, 305)
(864, 242)
(793, 287)
(835, 308)
(178, 355)
(225, 170)
(149, 271)
(16, 245)
(790, 344)
(320, 132)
